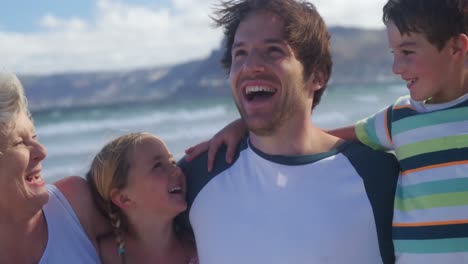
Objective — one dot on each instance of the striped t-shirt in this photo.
(430, 222)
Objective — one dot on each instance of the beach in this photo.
(74, 135)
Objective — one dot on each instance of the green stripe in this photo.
(435, 187)
(417, 121)
(428, 246)
(370, 139)
(432, 145)
(432, 201)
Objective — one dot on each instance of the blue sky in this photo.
(50, 36)
(24, 15)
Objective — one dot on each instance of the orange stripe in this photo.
(386, 128)
(403, 106)
(435, 166)
(440, 223)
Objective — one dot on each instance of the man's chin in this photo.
(261, 130)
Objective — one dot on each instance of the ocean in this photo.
(74, 136)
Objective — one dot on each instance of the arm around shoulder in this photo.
(78, 194)
(230, 135)
(347, 133)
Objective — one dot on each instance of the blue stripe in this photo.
(434, 158)
(429, 119)
(433, 187)
(432, 246)
(403, 113)
(430, 232)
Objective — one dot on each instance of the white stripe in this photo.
(431, 215)
(405, 101)
(445, 258)
(430, 132)
(437, 174)
(421, 107)
(381, 128)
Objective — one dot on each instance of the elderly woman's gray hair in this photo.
(12, 100)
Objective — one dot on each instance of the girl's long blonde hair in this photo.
(108, 171)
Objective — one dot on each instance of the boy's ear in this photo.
(460, 45)
(120, 198)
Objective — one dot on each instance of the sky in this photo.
(56, 36)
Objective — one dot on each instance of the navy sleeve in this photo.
(379, 171)
(197, 175)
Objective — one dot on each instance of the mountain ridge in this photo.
(360, 56)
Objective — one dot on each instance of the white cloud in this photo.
(123, 36)
(361, 13)
(52, 22)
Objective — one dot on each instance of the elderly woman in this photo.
(39, 223)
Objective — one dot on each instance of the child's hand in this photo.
(230, 135)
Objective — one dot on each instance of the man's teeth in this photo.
(175, 189)
(409, 82)
(254, 89)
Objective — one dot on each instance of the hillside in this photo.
(360, 56)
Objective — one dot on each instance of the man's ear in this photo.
(316, 81)
(121, 199)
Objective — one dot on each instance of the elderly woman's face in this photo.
(20, 162)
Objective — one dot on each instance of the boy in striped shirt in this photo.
(427, 130)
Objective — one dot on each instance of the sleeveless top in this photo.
(67, 240)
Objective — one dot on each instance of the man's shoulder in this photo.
(196, 171)
(197, 175)
(199, 165)
(362, 156)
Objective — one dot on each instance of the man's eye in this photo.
(156, 165)
(406, 52)
(239, 53)
(275, 50)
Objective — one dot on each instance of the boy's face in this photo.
(428, 72)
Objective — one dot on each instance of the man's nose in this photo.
(254, 62)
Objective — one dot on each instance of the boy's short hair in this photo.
(438, 20)
(305, 31)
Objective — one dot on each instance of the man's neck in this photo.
(302, 140)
